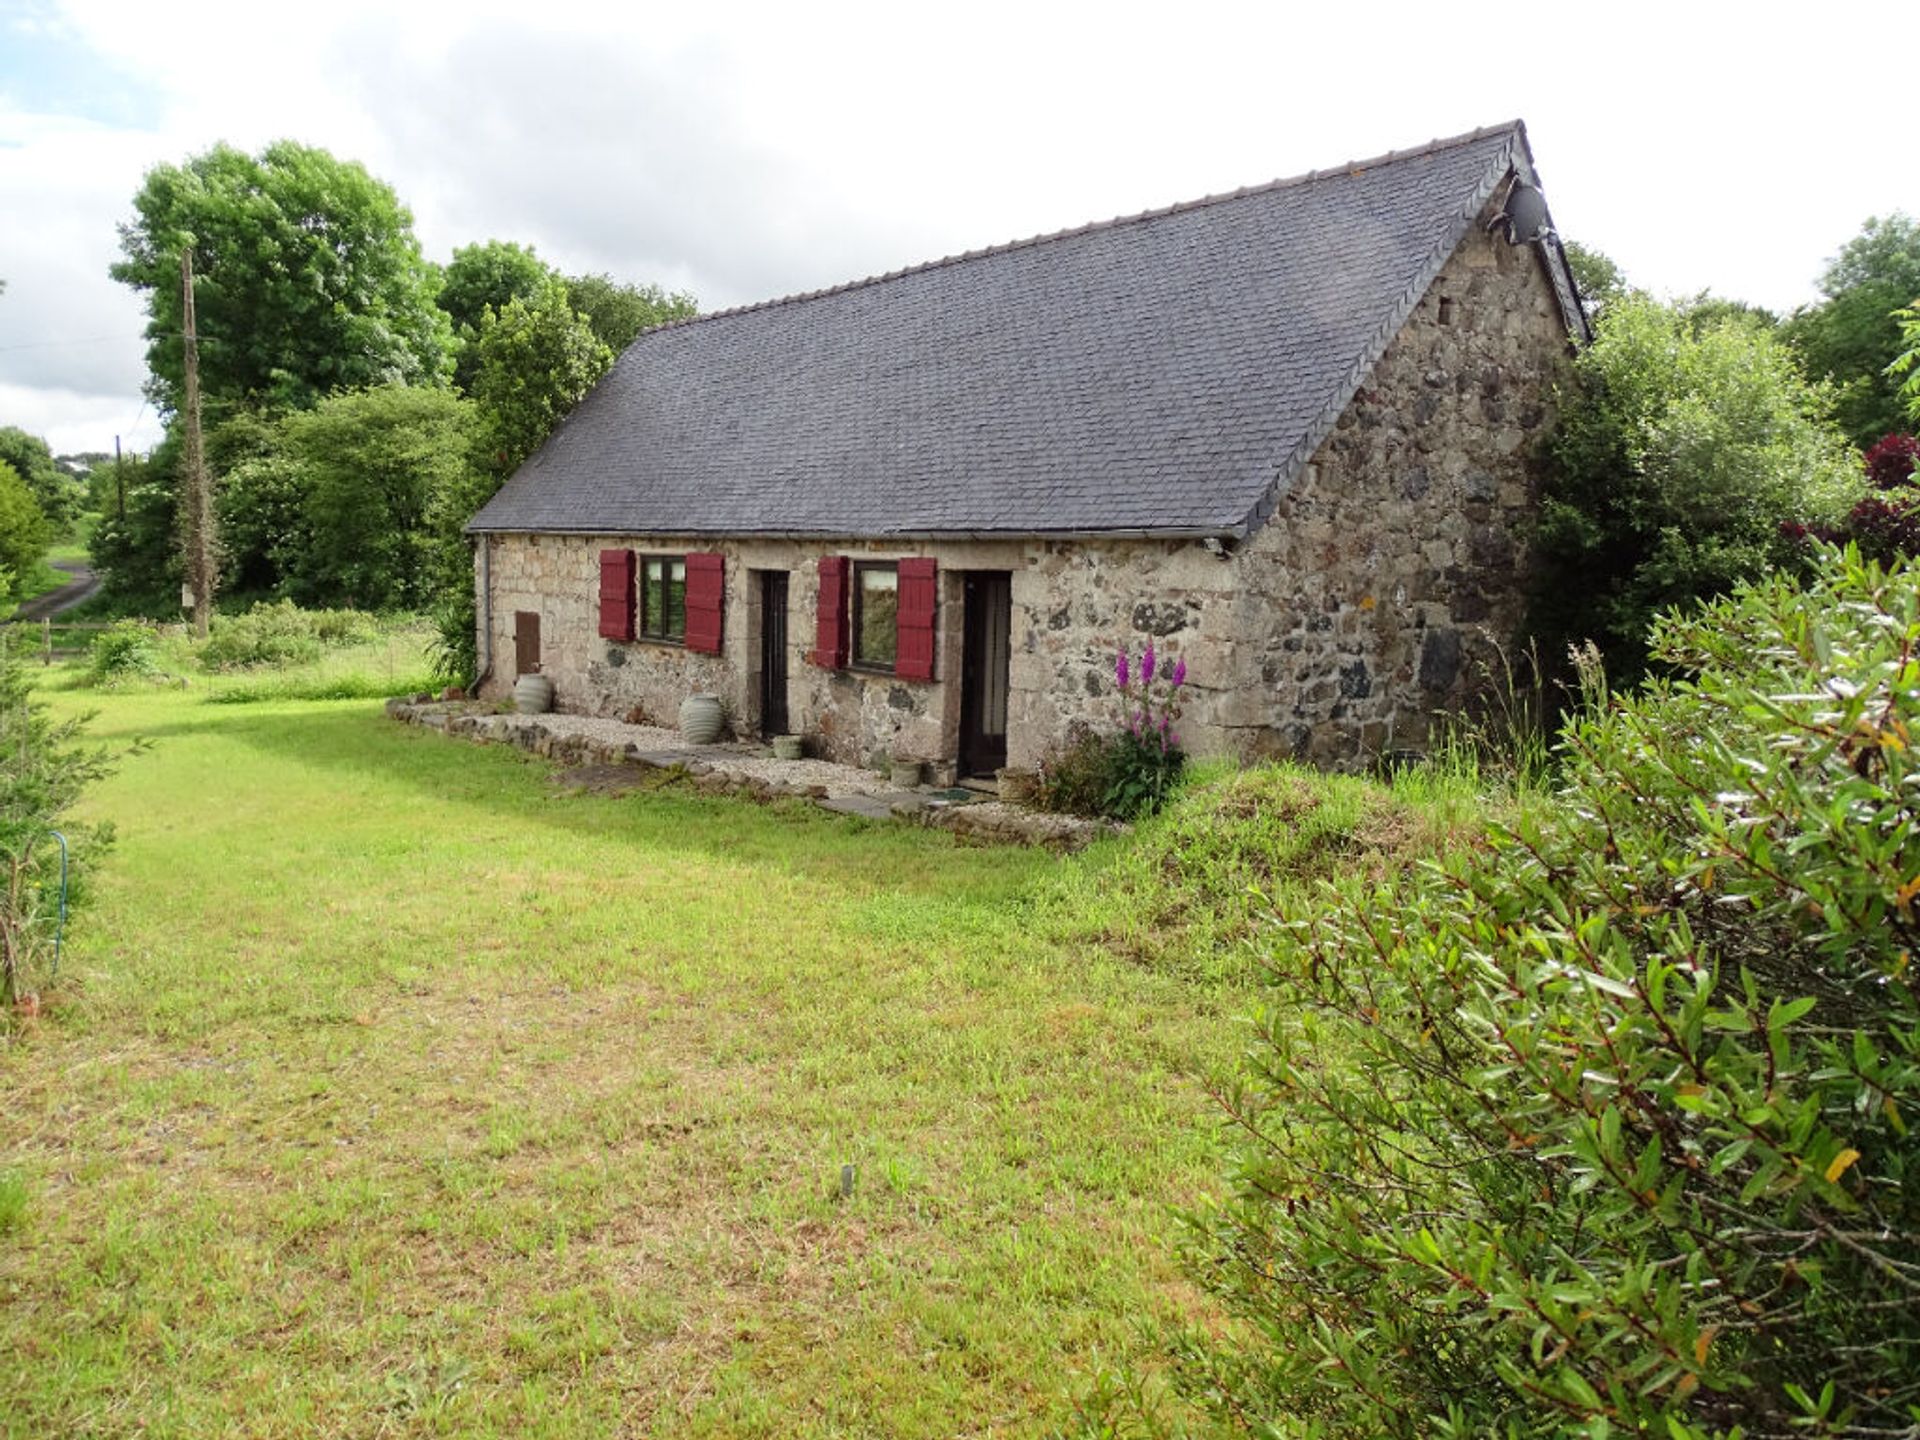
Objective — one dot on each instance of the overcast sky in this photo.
(746, 152)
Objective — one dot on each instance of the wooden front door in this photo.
(986, 642)
(526, 642)
(773, 652)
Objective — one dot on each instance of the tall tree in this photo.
(310, 279)
(482, 277)
(58, 494)
(618, 312)
(1852, 336)
(23, 532)
(538, 359)
(376, 465)
(1685, 453)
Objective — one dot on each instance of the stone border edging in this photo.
(996, 822)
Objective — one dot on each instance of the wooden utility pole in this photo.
(120, 480)
(199, 497)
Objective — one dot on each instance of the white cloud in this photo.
(744, 152)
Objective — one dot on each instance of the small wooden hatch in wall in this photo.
(526, 642)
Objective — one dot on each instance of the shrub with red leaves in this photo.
(1891, 463)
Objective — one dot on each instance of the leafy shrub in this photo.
(282, 634)
(276, 634)
(1129, 773)
(44, 770)
(1681, 451)
(343, 627)
(130, 650)
(1608, 1128)
(1075, 780)
(1891, 461)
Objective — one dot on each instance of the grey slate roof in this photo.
(1166, 373)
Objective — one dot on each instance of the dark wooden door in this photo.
(773, 652)
(984, 648)
(526, 642)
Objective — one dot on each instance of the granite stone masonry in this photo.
(1371, 588)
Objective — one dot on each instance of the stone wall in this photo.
(1377, 595)
(1392, 577)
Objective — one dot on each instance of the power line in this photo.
(89, 340)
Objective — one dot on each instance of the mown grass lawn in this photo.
(399, 1091)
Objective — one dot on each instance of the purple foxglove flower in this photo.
(1120, 670)
(1146, 665)
(1173, 738)
(1179, 672)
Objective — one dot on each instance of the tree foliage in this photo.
(308, 279)
(482, 277)
(1596, 276)
(58, 494)
(1607, 1127)
(1854, 335)
(618, 312)
(1681, 452)
(23, 532)
(44, 771)
(136, 553)
(375, 468)
(538, 359)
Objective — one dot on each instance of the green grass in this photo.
(400, 1091)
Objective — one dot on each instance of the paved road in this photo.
(83, 584)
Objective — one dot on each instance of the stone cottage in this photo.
(1285, 433)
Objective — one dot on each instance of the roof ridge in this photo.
(1348, 167)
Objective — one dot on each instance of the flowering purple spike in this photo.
(1173, 738)
(1146, 665)
(1120, 670)
(1179, 672)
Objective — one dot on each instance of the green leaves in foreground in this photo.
(44, 770)
(1608, 1128)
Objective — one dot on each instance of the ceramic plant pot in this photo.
(700, 719)
(533, 695)
(906, 774)
(788, 747)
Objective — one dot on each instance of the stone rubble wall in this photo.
(1380, 594)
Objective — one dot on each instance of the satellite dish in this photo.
(1525, 217)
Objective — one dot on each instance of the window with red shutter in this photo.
(830, 616)
(913, 657)
(616, 594)
(706, 601)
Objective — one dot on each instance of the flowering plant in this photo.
(1132, 771)
(1146, 759)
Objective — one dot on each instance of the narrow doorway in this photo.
(985, 645)
(773, 653)
(526, 642)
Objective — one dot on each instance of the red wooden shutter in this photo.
(913, 650)
(830, 619)
(616, 594)
(706, 601)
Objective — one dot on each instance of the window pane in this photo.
(654, 600)
(879, 615)
(677, 600)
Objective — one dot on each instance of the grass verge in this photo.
(398, 1091)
